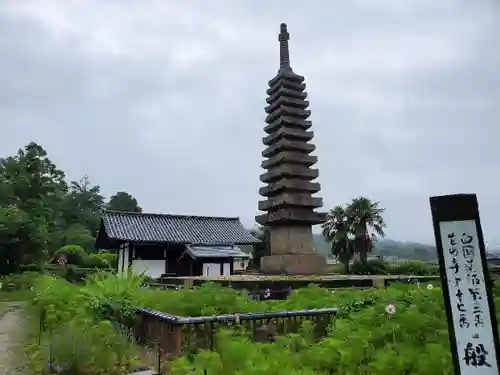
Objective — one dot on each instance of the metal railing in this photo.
(174, 335)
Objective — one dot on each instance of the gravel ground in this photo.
(11, 338)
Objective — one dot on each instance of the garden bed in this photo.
(367, 337)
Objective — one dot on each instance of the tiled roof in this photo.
(175, 228)
(216, 252)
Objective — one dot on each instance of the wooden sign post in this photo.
(466, 285)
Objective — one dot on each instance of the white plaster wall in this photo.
(211, 269)
(151, 268)
(240, 264)
(226, 269)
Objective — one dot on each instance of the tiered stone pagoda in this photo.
(289, 204)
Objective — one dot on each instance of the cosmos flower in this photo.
(390, 309)
(267, 293)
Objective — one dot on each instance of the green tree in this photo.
(123, 201)
(337, 232)
(35, 186)
(78, 234)
(366, 224)
(23, 238)
(83, 205)
(263, 248)
(31, 181)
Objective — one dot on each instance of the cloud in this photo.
(165, 99)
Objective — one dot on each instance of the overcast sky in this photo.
(164, 99)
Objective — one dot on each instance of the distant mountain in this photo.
(388, 248)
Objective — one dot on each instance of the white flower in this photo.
(267, 293)
(390, 309)
(429, 287)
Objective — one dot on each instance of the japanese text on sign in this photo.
(468, 298)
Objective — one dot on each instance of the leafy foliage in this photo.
(261, 249)
(83, 205)
(337, 231)
(40, 213)
(73, 254)
(123, 201)
(364, 339)
(352, 229)
(23, 238)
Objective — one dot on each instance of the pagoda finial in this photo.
(283, 38)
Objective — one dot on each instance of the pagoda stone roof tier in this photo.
(290, 200)
(289, 174)
(285, 84)
(287, 145)
(289, 122)
(290, 185)
(283, 91)
(288, 133)
(289, 157)
(291, 216)
(286, 75)
(289, 171)
(300, 113)
(286, 101)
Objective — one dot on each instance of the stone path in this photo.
(11, 337)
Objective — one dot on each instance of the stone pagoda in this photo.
(289, 204)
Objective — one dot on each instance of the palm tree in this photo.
(367, 224)
(337, 231)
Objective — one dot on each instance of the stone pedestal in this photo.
(291, 239)
(293, 264)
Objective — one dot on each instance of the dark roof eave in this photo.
(187, 243)
(175, 229)
(179, 216)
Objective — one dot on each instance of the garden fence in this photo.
(177, 335)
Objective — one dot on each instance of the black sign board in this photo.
(466, 285)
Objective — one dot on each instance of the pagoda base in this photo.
(293, 264)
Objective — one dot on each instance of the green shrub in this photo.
(31, 268)
(87, 346)
(364, 339)
(96, 261)
(371, 267)
(416, 268)
(102, 259)
(74, 254)
(19, 281)
(111, 257)
(75, 335)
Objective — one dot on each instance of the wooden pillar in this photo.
(177, 341)
(378, 282)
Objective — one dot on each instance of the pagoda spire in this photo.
(283, 38)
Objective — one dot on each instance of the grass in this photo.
(16, 295)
